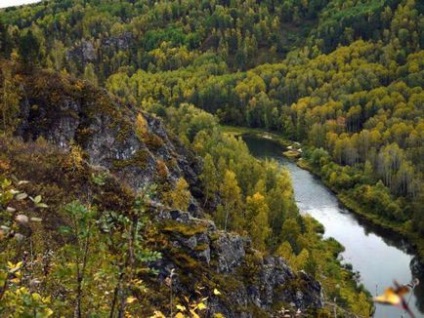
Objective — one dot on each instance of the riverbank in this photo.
(309, 250)
(378, 256)
(404, 230)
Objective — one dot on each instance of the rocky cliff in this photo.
(251, 285)
(199, 258)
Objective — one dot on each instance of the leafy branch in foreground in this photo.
(20, 293)
(394, 296)
(108, 255)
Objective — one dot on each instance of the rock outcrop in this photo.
(71, 113)
(92, 51)
(245, 278)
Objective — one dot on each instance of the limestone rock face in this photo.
(104, 129)
(119, 42)
(92, 51)
(83, 52)
(230, 251)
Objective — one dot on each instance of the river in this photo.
(378, 256)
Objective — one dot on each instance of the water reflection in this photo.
(378, 254)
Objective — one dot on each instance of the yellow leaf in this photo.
(14, 268)
(179, 315)
(48, 312)
(201, 306)
(216, 292)
(158, 314)
(131, 299)
(47, 300)
(392, 296)
(36, 297)
(181, 307)
(22, 290)
(37, 199)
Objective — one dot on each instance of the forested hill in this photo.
(78, 79)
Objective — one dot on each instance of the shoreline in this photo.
(415, 243)
(413, 239)
(238, 132)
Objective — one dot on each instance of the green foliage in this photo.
(16, 297)
(94, 263)
(344, 78)
(187, 121)
(9, 98)
(232, 207)
(321, 257)
(260, 203)
(29, 48)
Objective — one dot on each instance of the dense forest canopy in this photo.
(344, 78)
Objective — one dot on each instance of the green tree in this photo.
(28, 49)
(90, 74)
(9, 99)
(290, 232)
(82, 220)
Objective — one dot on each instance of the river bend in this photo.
(378, 256)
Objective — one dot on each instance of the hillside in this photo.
(85, 195)
(97, 81)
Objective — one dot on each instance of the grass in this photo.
(183, 229)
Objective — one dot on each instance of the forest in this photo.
(343, 78)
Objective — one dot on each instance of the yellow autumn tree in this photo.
(229, 212)
(257, 212)
(209, 177)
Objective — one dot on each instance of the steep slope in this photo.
(70, 112)
(76, 142)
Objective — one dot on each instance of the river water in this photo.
(377, 255)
